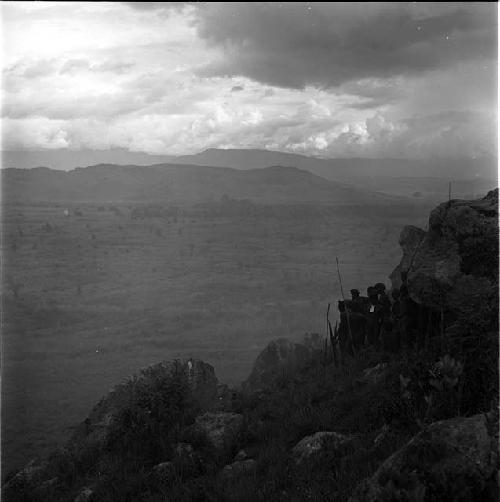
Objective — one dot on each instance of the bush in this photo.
(159, 404)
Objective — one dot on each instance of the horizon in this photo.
(178, 161)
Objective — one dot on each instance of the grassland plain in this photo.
(92, 294)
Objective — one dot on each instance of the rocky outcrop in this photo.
(449, 460)
(95, 431)
(200, 377)
(220, 428)
(314, 444)
(460, 249)
(282, 357)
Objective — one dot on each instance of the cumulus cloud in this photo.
(73, 66)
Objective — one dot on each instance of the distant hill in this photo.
(334, 168)
(64, 159)
(178, 184)
(459, 168)
(421, 178)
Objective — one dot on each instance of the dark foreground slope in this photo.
(177, 184)
(415, 424)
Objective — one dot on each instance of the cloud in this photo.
(326, 45)
(31, 69)
(447, 134)
(73, 66)
(118, 67)
(372, 80)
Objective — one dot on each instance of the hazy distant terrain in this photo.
(209, 267)
(178, 184)
(420, 178)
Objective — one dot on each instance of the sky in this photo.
(415, 80)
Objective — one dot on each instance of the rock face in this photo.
(449, 460)
(221, 428)
(201, 379)
(460, 248)
(203, 382)
(311, 445)
(282, 357)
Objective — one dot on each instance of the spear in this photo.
(329, 332)
(346, 308)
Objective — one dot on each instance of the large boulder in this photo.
(221, 428)
(449, 460)
(459, 251)
(316, 443)
(282, 357)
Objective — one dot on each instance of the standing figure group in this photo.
(376, 320)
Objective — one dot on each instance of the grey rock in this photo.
(241, 455)
(239, 467)
(316, 443)
(84, 496)
(454, 459)
(282, 357)
(221, 428)
(459, 249)
(164, 470)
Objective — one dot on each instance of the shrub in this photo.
(159, 404)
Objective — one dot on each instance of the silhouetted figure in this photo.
(389, 335)
(357, 324)
(373, 317)
(357, 303)
(383, 299)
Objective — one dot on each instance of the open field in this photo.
(91, 295)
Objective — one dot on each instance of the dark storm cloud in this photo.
(296, 44)
(237, 88)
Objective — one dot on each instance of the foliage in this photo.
(159, 405)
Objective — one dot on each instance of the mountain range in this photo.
(205, 171)
(178, 184)
(334, 168)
